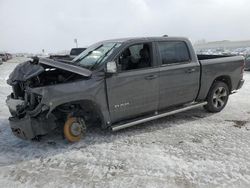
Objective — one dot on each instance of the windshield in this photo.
(95, 55)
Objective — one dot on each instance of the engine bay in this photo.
(32, 74)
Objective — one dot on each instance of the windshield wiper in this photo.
(101, 58)
(81, 58)
(76, 61)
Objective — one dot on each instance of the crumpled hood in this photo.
(29, 69)
(24, 71)
(66, 66)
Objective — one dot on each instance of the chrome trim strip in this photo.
(119, 127)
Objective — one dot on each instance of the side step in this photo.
(122, 126)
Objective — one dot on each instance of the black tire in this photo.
(217, 97)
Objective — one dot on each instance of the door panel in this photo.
(179, 75)
(178, 84)
(133, 93)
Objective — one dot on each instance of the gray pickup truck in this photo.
(118, 84)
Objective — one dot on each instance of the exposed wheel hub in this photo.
(76, 129)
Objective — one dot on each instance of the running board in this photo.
(123, 126)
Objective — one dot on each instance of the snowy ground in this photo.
(191, 149)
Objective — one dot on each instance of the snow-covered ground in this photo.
(191, 149)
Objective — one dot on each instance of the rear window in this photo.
(76, 51)
(173, 52)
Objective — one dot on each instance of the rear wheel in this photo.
(217, 97)
(74, 129)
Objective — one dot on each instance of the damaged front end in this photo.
(30, 113)
(29, 116)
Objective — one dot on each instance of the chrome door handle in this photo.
(151, 77)
(191, 70)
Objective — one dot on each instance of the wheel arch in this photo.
(87, 106)
(217, 102)
(207, 83)
(224, 78)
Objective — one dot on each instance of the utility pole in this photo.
(75, 41)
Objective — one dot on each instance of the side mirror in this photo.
(111, 67)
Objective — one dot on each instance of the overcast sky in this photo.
(33, 25)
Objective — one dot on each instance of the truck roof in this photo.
(149, 39)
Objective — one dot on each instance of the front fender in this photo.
(85, 90)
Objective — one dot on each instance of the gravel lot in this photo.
(191, 149)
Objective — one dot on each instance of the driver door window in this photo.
(135, 57)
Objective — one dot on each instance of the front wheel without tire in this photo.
(73, 129)
(217, 97)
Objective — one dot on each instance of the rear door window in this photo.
(173, 52)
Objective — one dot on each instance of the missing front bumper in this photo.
(29, 128)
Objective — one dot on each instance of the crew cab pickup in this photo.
(117, 84)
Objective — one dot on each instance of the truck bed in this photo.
(217, 66)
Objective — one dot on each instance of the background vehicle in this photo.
(9, 56)
(1, 61)
(73, 53)
(117, 84)
(247, 67)
(4, 57)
